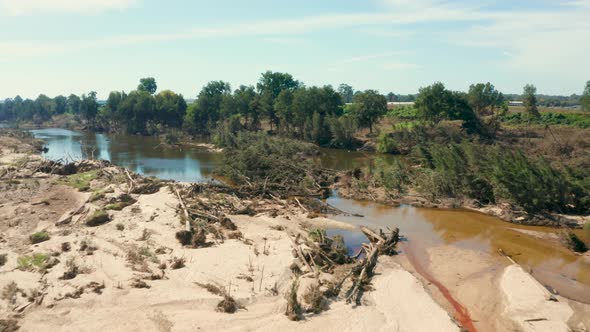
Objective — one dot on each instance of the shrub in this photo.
(98, 218)
(27, 262)
(39, 237)
(3, 259)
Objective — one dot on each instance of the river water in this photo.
(551, 264)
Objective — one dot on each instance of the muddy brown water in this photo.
(550, 263)
(422, 228)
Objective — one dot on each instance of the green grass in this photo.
(80, 181)
(39, 237)
(27, 262)
(580, 120)
(98, 218)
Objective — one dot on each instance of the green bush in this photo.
(386, 144)
(39, 237)
(27, 262)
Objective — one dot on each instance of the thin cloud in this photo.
(30, 7)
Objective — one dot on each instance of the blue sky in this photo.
(75, 46)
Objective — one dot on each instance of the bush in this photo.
(98, 218)
(39, 237)
(491, 173)
(386, 144)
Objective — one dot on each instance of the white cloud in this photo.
(28, 7)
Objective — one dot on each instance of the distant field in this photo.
(520, 109)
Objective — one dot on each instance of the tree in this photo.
(435, 103)
(73, 104)
(89, 107)
(60, 103)
(585, 99)
(391, 97)
(530, 101)
(368, 107)
(170, 108)
(148, 85)
(432, 103)
(484, 98)
(270, 85)
(346, 92)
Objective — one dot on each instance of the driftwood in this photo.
(187, 225)
(132, 182)
(381, 244)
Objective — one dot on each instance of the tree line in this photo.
(278, 102)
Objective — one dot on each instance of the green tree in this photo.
(73, 104)
(170, 108)
(484, 98)
(346, 92)
(530, 101)
(148, 84)
(269, 86)
(368, 107)
(585, 99)
(60, 103)
(89, 107)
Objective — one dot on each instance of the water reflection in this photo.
(143, 155)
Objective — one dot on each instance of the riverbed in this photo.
(535, 248)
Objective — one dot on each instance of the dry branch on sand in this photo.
(318, 254)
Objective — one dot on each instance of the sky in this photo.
(76, 46)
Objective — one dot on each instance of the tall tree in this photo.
(170, 108)
(73, 104)
(368, 107)
(270, 85)
(60, 103)
(585, 99)
(148, 84)
(435, 103)
(346, 92)
(391, 97)
(89, 107)
(530, 100)
(484, 98)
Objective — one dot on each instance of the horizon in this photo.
(67, 46)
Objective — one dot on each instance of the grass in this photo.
(39, 237)
(80, 181)
(27, 262)
(98, 218)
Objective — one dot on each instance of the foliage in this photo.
(27, 262)
(530, 101)
(80, 181)
(367, 108)
(98, 218)
(492, 173)
(39, 237)
(403, 112)
(585, 99)
(148, 85)
(259, 158)
(580, 120)
(346, 92)
(485, 99)
(435, 103)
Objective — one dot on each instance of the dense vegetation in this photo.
(456, 138)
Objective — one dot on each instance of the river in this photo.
(553, 265)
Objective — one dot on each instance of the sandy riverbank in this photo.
(126, 278)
